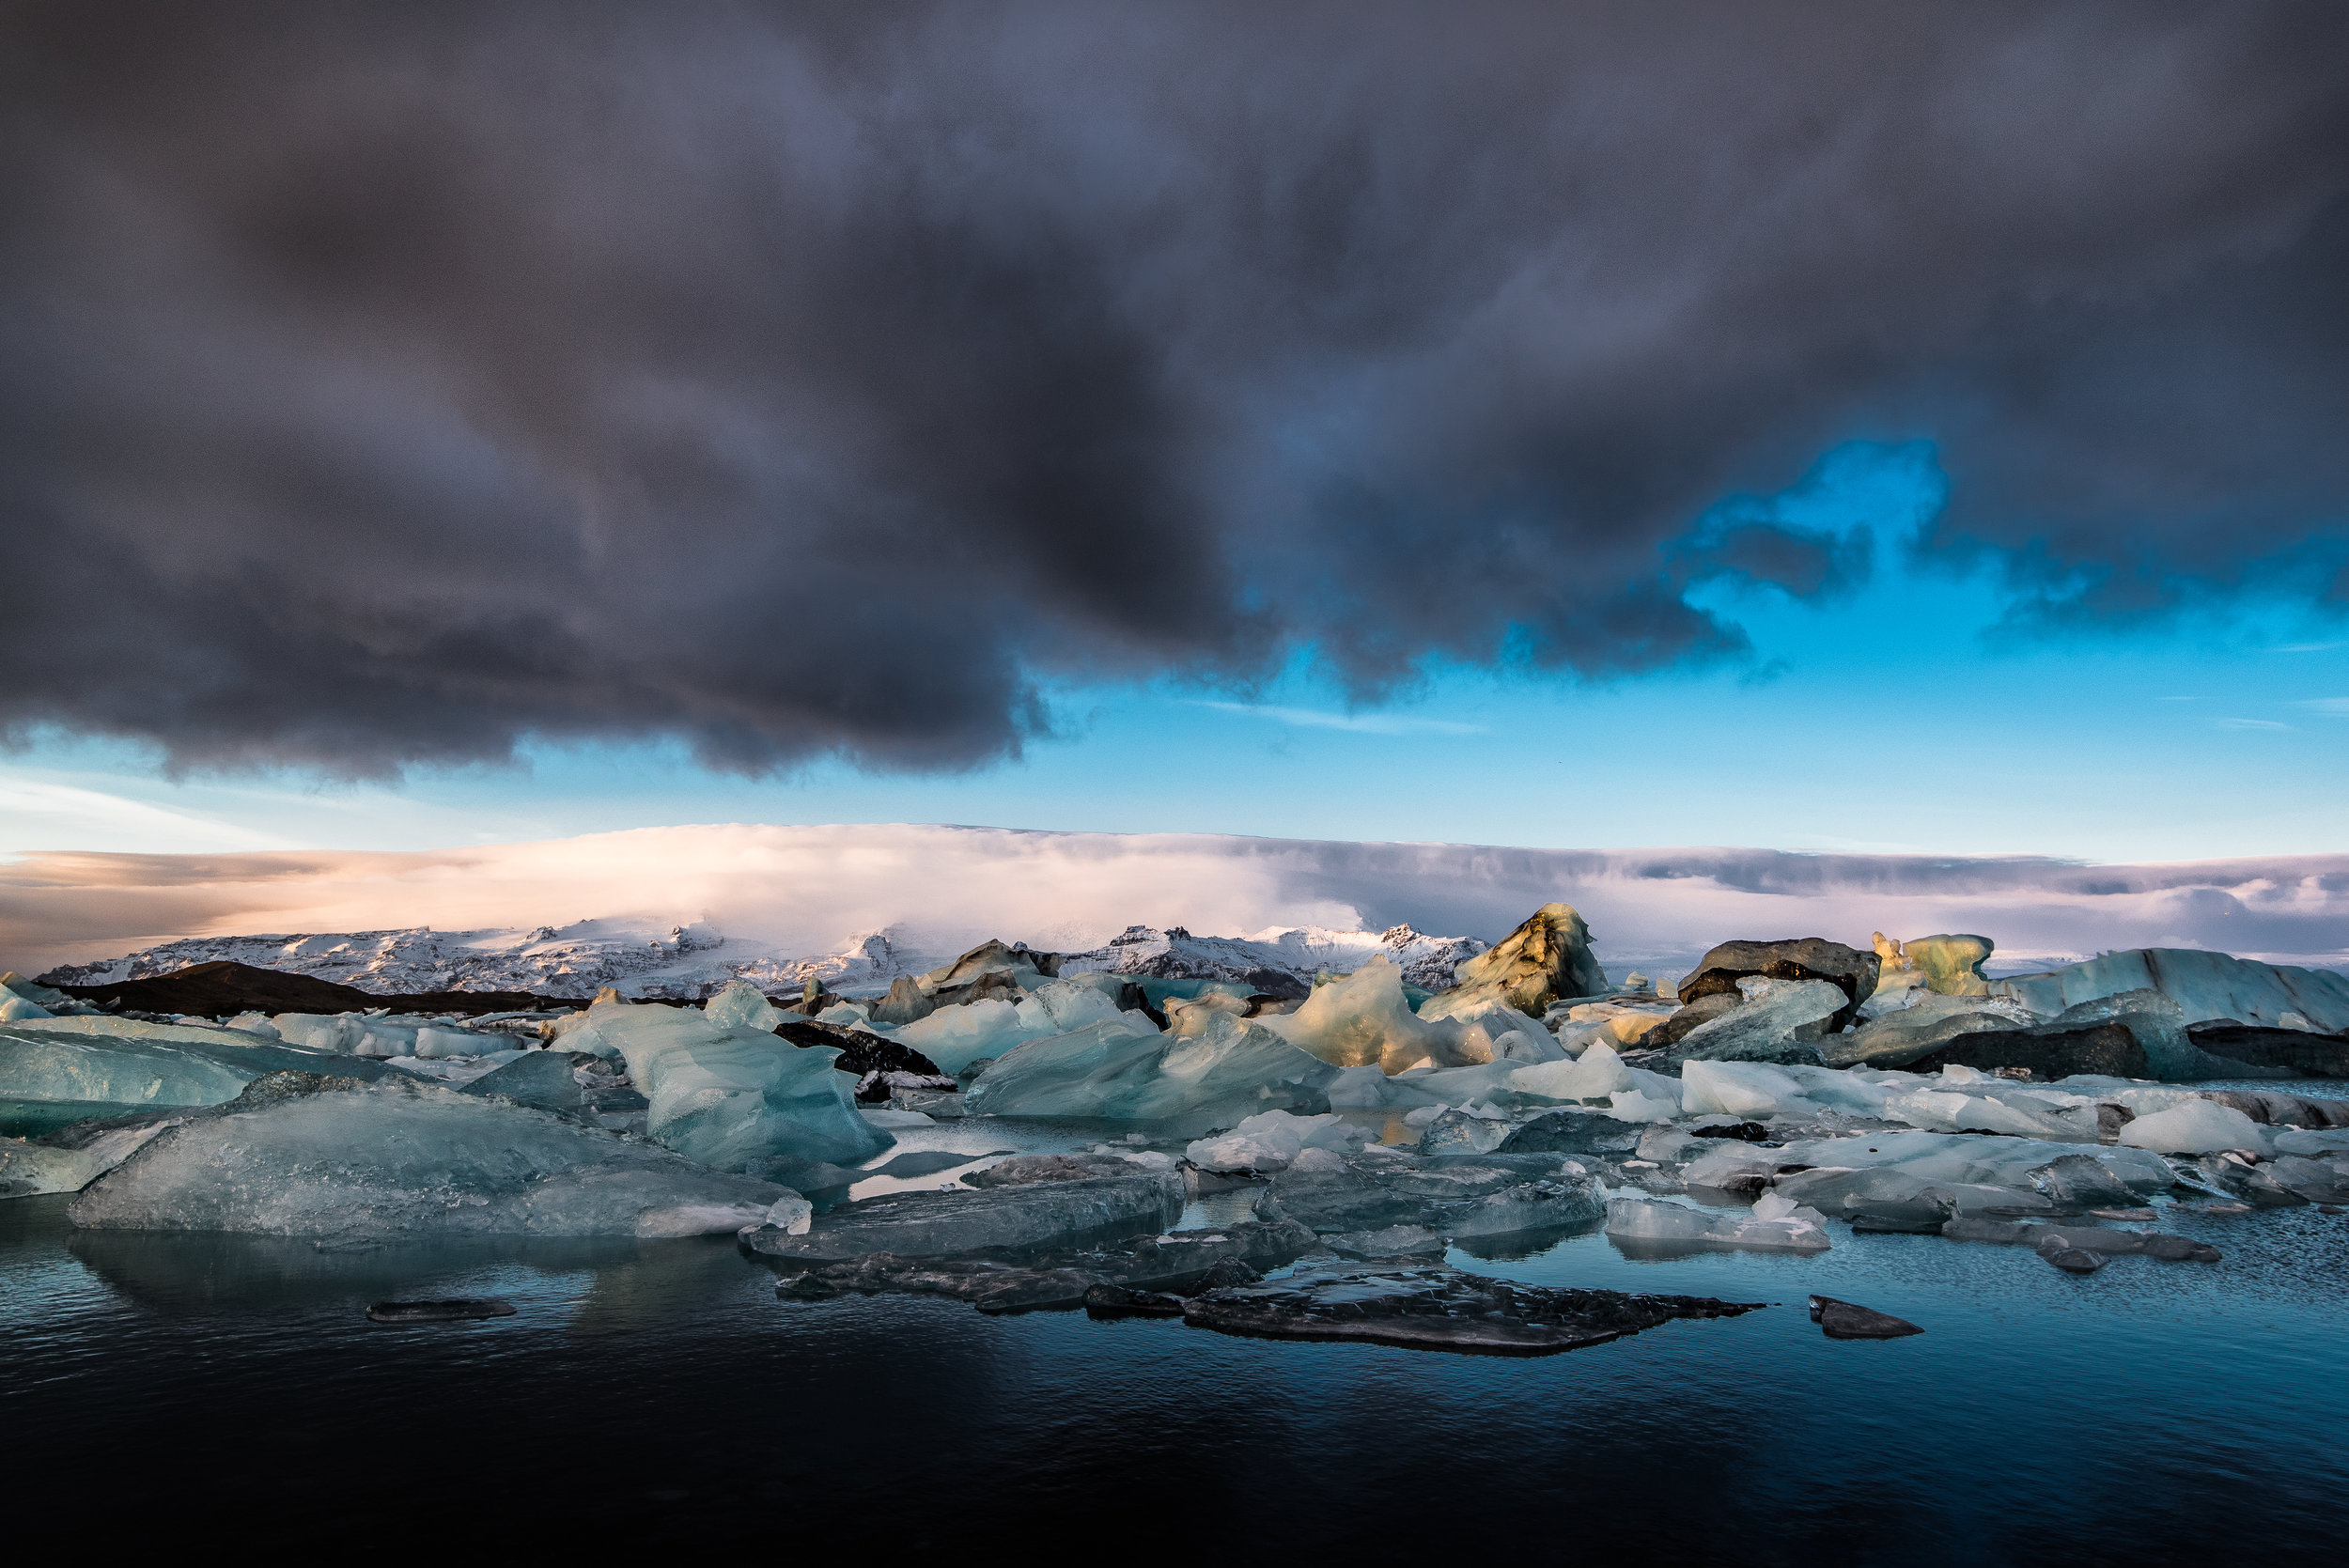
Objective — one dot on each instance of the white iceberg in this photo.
(1594, 1075)
(1638, 1219)
(1273, 1141)
(2197, 1128)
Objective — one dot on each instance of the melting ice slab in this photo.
(1031, 1218)
(1441, 1309)
(393, 1159)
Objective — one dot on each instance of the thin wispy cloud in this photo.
(1357, 724)
(2251, 724)
(2333, 707)
(2309, 647)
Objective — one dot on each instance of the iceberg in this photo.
(1594, 1075)
(1363, 1019)
(730, 1097)
(58, 1071)
(401, 1159)
(740, 1004)
(2207, 986)
(1235, 1068)
(2197, 1128)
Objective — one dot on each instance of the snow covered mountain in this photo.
(691, 961)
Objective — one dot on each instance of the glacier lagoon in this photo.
(703, 1363)
(662, 1394)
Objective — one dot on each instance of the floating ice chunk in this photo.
(1596, 1074)
(1490, 1031)
(406, 1159)
(2309, 1140)
(953, 1037)
(1233, 1069)
(791, 1214)
(1783, 1018)
(1636, 1219)
(740, 1005)
(727, 1097)
(1359, 1089)
(1363, 1018)
(2019, 1113)
(29, 1169)
(2197, 1128)
(1272, 1142)
(1956, 1157)
(1738, 1088)
(13, 1008)
(1731, 1167)
(1633, 1106)
(537, 1077)
(57, 1071)
(1770, 1206)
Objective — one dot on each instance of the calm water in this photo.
(658, 1394)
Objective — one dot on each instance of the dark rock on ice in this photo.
(1027, 1219)
(1746, 1132)
(2107, 1048)
(2298, 1051)
(1103, 1299)
(543, 1078)
(865, 1054)
(437, 1311)
(1845, 1320)
(2273, 1108)
(2178, 1249)
(2072, 1259)
(1022, 1169)
(224, 988)
(1849, 970)
(990, 1286)
(1441, 1309)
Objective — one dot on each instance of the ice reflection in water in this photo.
(659, 1392)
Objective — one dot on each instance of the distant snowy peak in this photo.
(1283, 960)
(689, 962)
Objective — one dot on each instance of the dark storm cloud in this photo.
(379, 384)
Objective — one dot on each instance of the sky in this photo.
(1896, 430)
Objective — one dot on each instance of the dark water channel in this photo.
(171, 1391)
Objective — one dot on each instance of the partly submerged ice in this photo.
(393, 1159)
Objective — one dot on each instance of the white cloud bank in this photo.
(804, 890)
